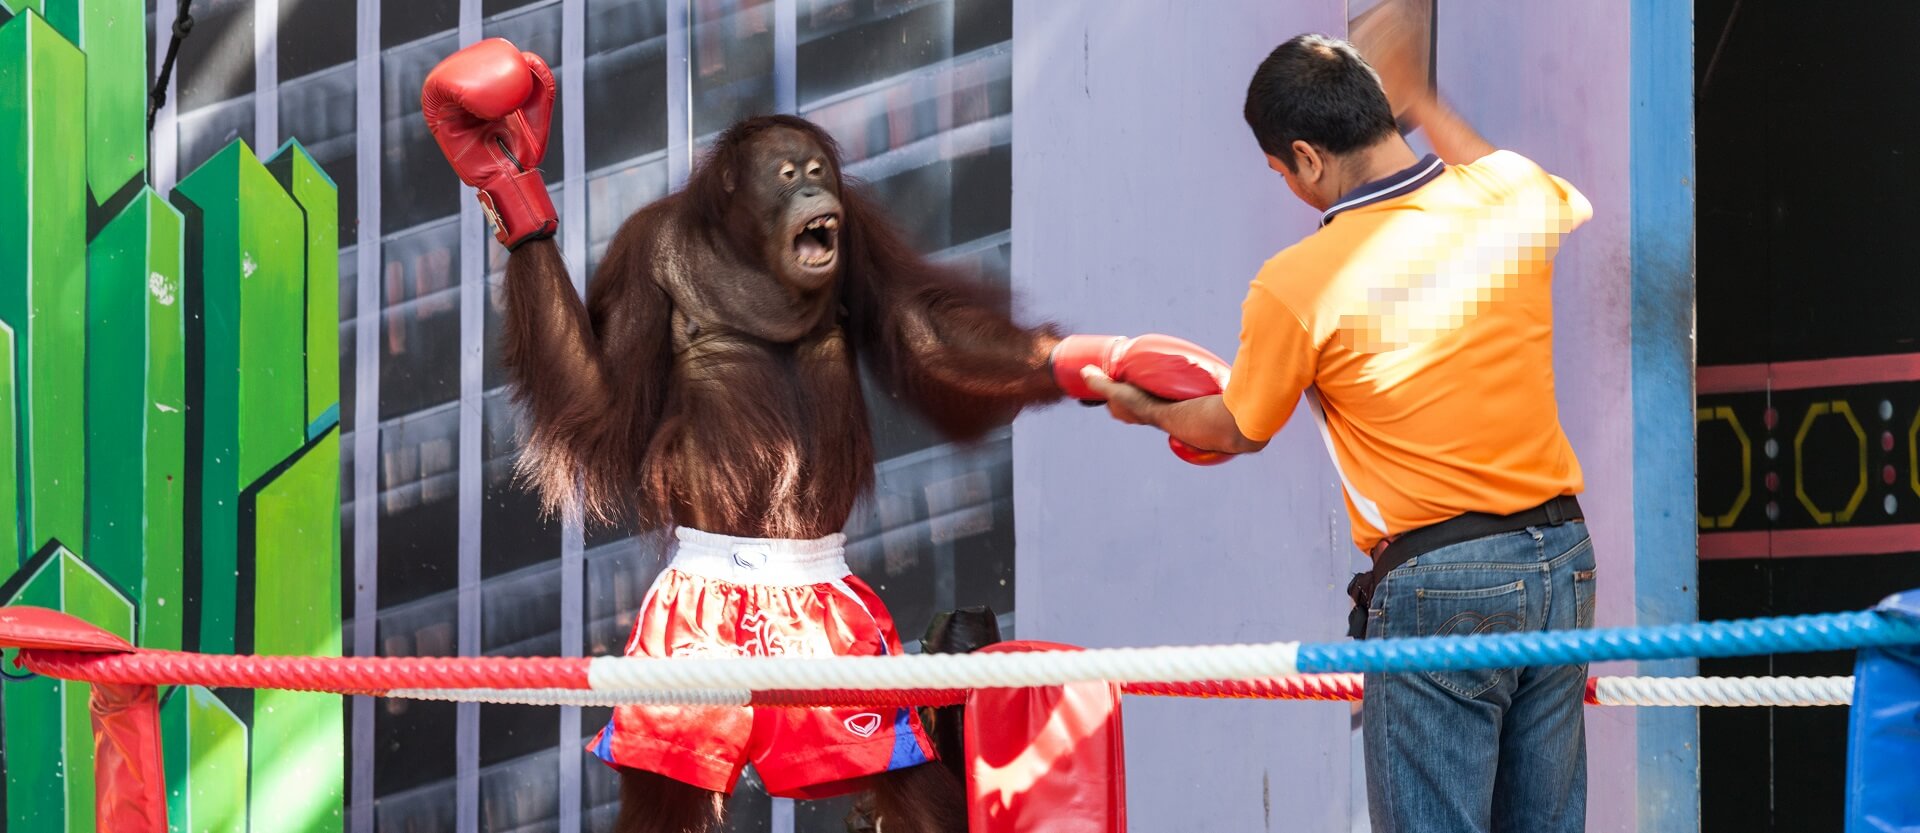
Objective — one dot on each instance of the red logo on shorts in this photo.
(864, 724)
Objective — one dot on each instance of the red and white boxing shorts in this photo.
(748, 597)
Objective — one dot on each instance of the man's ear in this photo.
(1308, 164)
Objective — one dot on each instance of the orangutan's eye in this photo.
(814, 169)
(786, 171)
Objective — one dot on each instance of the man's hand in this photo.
(1202, 428)
(1160, 368)
(1125, 402)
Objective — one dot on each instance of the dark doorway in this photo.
(1809, 353)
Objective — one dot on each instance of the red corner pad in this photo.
(37, 627)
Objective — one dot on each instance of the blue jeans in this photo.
(1490, 750)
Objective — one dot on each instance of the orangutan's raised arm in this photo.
(946, 344)
(590, 425)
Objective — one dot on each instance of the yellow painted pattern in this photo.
(1724, 413)
(1837, 407)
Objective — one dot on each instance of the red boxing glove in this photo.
(489, 106)
(1167, 367)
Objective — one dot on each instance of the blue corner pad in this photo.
(1883, 732)
(1907, 603)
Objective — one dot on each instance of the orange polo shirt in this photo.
(1418, 323)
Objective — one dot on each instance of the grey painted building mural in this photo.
(442, 553)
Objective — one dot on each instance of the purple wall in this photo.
(1550, 81)
(1142, 204)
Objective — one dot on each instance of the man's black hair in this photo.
(1316, 89)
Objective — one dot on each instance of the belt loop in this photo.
(1556, 513)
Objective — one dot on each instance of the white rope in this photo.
(1609, 691)
(996, 670)
(577, 697)
(1724, 691)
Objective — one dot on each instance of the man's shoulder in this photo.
(1298, 278)
(1311, 261)
(1308, 267)
(1509, 177)
(1506, 170)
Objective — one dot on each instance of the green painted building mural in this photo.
(169, 427)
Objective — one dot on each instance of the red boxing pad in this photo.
(1170, 368)
(1196, 456)
(1176, 370)
(1045, 760)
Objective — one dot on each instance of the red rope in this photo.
(843, 698)
(346, 675)
(372, 675)
(1332, 687)
(1306, 687)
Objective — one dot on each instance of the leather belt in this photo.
(1393, 552)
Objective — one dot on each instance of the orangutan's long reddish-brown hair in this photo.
(608, 400)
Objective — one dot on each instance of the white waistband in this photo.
(759, 561)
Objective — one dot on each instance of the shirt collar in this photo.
(1385, 188)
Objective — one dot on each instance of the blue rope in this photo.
(1742, 637)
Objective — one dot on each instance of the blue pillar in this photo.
(1666, 562)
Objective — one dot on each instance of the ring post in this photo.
(1045, 758)
(1883, 782)
(129, 792)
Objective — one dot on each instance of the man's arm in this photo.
(1393, 42)
(1453, 138)
(1204, 423)
(1276, 362)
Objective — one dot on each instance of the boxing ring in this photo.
(1043, 729)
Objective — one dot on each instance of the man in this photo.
(1417, 322)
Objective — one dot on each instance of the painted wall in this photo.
(1142, 204)
(169, 427)
(1551, 82)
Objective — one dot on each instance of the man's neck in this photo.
(1382, 160)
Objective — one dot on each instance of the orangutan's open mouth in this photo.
(814, 246)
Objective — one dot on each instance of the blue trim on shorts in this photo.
(603, 746)
(906, 747)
